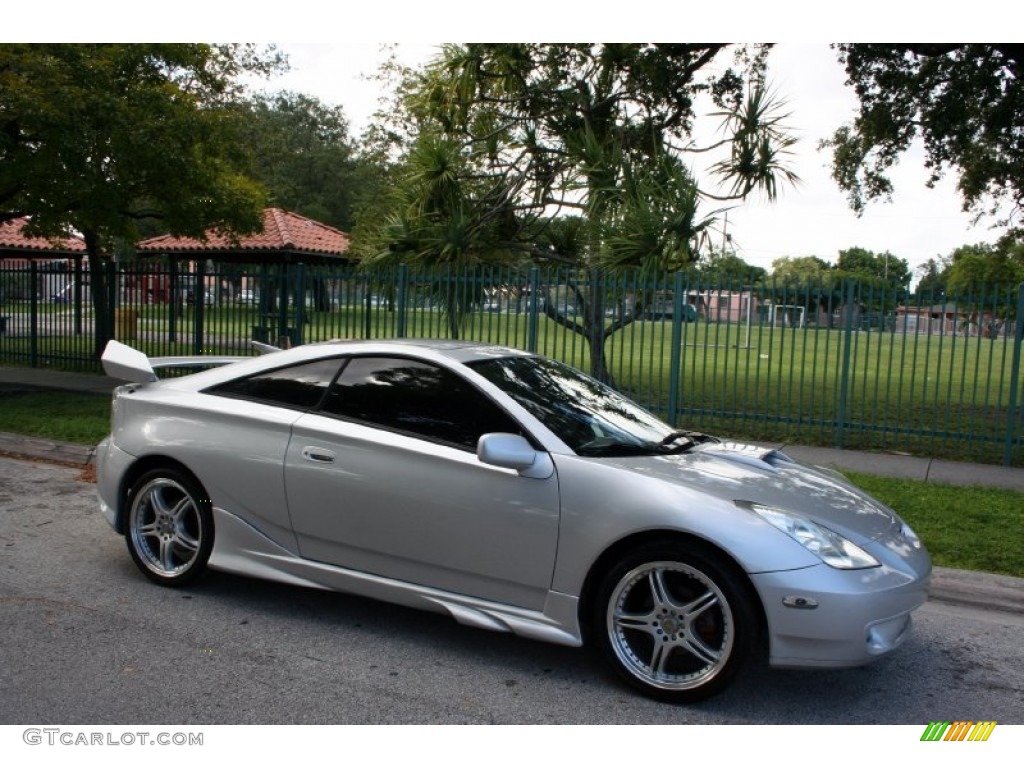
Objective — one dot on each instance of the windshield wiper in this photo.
(679, 441)
(692, 438)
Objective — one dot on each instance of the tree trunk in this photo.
(594, 330)
(103, 310)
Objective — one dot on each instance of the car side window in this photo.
(415, 397)
(298, 386)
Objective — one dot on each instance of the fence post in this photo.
(77, 292)
(844, 372)
(173, 299)
(1013, 419)
(532, 318)
(367, 307)
(199, 307)
(403, 296)
(675, 354)
(33, 309)
(283, 277)
(300, 305)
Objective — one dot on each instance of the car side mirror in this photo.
(509, 451)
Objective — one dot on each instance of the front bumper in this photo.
(825, 617)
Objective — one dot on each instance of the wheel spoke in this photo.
(659, 658)
(149, 529)
(167, 554)
(186, 543)
(178, 510)
(698, 648)
(642, 622)
(659, 592)
(158, 502)
(695, 608)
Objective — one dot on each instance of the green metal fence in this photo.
(849, 365)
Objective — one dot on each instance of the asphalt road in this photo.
(87, 639)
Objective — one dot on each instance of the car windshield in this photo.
(588, 416)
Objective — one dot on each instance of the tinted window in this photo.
(415, 397)
(299, 386)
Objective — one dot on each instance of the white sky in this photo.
(337, 44)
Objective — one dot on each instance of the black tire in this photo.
(169, 526)
(675, 621)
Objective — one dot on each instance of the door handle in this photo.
(313, 453)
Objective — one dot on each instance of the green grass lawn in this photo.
(74, 417)
(973, 528)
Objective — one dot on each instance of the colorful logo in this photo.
(960, 730)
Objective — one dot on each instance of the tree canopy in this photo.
(302, 152)
(573, 153)
(802, 271)
(983, 267)
(723, 268)
(549, 130)
(95, 138)
(965, 101)
(884, 269)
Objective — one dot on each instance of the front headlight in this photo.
(832, 548)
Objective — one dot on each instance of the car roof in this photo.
(440, 351)
(460, 351)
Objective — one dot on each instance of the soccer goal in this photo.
(787, 315)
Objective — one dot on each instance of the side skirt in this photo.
(240, 548)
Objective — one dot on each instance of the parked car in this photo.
(64, 295)
(209, 297)
(246, 296)
(515, 494)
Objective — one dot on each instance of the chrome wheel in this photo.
(677, 627)
(170, 531)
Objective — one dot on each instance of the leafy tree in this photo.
(534, 133)
(964, 100)
(726, 269)
(884, 275)
(802, 271)
(96, 138)
(984, 279)
(984, 268)
(302, 152)
(934, 275)
(881, 277)
(806, 281)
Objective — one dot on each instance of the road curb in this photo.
(975, 589)
(42, 449)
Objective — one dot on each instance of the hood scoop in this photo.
(758, 457)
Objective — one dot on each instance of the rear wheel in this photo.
(674, 622)
(170, 526)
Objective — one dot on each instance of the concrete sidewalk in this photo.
(966, 588)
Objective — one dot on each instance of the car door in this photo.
(384, 479)
(246, 429)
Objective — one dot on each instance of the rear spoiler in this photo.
(123, 362)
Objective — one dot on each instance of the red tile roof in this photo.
(12, 238)
(282, 231)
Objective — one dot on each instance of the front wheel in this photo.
(170, 527)
(674, 622)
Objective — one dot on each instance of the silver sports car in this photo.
(513, 493)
